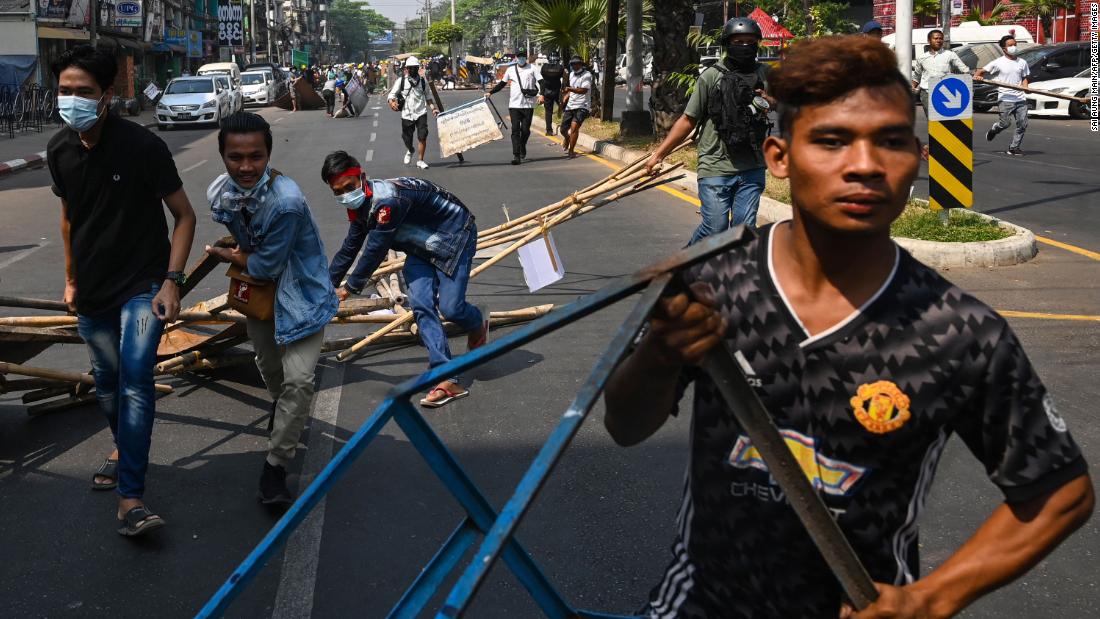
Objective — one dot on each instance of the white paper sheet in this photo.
(541, 263)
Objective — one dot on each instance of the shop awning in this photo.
(47, 32)
(130, 43)
(771, 28)
(165, 48)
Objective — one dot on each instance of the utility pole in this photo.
(636, 120)
(92, 26)
(903, 36)
(945, 22)
(252, 26)
(610, 56)
(725, 11)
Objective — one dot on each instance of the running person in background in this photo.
(409, 96)
(524, 83)
(1009, 69)
(577, 105)
(436, 232)
(867, 360)
(552, 73)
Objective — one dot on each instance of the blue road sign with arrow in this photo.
(951, 98)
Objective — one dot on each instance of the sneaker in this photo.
(273, 490)
(515, 161)
(423, 165)
(408, 158)
(1015, 152)
(478, 338)
(989, 135)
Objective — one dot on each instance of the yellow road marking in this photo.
(1066, 246)
(1046, 316)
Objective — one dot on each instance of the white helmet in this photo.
(412, 61)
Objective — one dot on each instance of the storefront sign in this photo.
(230, 20)
(127, 14)
(54, 9)
(194, 44)
(175, 36)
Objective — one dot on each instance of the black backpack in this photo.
(730, 108)
(400, 97)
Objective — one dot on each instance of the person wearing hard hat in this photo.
(409, 96)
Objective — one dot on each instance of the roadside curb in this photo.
(30, 161)
(1016, 249)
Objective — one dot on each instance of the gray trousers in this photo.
(1011, 110)
(288, 372)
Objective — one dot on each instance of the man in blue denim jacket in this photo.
(277, 241)
(437, 233)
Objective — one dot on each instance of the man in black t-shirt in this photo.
(867, 360)
(122, 275)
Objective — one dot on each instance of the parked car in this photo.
(222, 68)
(1077, 86)
(232, 92)
(1046, 62)
(279, 76)
(189, 101)
(647, 69)
(258, 87)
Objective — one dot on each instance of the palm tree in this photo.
(671, 53)
(926, 8)
(990, 18)
(1044, 10)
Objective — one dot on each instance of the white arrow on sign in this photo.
(953, 98)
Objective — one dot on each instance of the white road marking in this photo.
(369, 155)
(192, 167)
(372, 136)
(377, 107)
(298, 576)
(279, 120)
(19, 255)
(375, 123)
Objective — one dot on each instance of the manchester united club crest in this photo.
(881, 407)
(383, 215)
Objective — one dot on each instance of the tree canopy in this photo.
(355, 25)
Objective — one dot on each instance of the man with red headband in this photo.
(436, 232)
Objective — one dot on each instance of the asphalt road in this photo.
(1053, 190)
(601, 528)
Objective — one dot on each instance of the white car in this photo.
(1077, 86)
(258, 88)
(189, 101)
(231, 92)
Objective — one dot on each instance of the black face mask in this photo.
(741, 56)
(414, 71)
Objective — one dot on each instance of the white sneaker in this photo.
(423, 165)
(408, 158)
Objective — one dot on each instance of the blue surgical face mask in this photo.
(235, 197)
(523, 62)
(79, 113)
(352, 199)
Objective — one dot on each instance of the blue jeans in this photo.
(725, 196)
(427, 284)
(122, 344)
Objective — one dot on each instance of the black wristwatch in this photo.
(176, 276)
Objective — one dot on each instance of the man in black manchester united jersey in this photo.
(867, 360)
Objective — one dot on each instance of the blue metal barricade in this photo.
(495, 530)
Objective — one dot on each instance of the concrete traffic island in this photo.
(1015, 249)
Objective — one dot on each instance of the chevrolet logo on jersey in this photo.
(834, 477)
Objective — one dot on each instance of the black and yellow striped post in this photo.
(951, 163)
(951, 143)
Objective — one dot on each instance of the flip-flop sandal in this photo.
(108, 469)
(139, 521)
(451, 397)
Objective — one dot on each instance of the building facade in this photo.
(1069, 25)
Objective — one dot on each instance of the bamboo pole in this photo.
(61, 405)
(47, 393)
(1045, 93)
(71, 377)
(28, 303)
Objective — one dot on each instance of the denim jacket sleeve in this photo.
(269, 259)
(388, 216)
(343, 259)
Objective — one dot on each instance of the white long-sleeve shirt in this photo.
(930, 66)
(416, 96)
